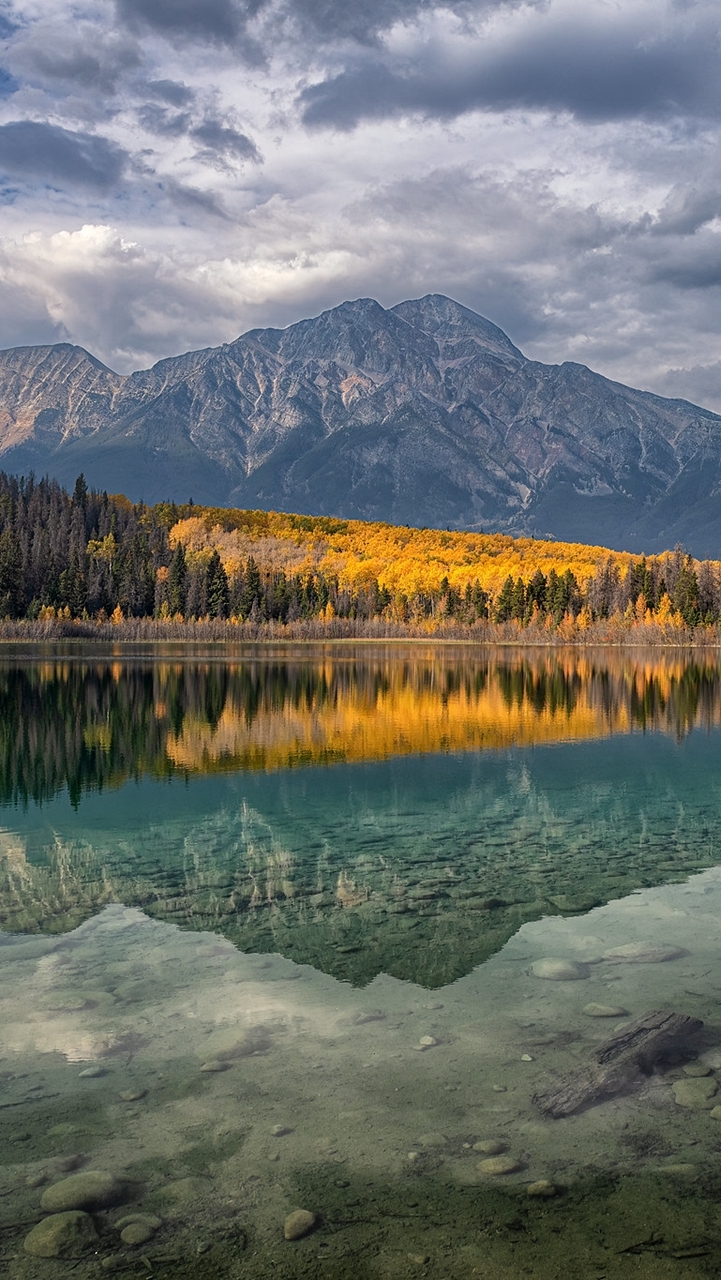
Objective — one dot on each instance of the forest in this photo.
(94, 558)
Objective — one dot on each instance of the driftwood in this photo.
(616, 1065)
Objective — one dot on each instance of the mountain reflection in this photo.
(86, 725)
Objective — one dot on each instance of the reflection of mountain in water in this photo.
(88, 725)
(420, 867)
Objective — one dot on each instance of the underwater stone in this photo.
(695, 1094)
(62, 1235)
(187, 1189)
(133, 1095)
(92, 1190)
(594, 1010)
(215, 1065)
(137, 1233)
(496, 1166)
(92, 1073)
(696, 1069)
(555, 970)
(491, 1146)
(432, 1140)
(298, 1224)
(643, 953)
(280, 1130)
(715, 1113)
(542, 1190)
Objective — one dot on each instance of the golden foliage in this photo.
(406, 561)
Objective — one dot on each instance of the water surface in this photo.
(328, 877)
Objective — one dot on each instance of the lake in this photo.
(332, 930)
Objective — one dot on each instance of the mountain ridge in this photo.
(422, 413)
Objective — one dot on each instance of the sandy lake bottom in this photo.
(222, 1091)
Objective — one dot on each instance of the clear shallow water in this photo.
(167, 907)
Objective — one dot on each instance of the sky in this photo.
(176, 172)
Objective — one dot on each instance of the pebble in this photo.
(62, 1235)
(594, 1010)
(432, 1140)
(148, 1220)
(526, 1057)
(215, 1065)
(696, 1069)
(137, 1233)
(280, 1130)
(491, 1146)
(419, 1258)
(678, 1170)
(559, 970)
(133, 1095)
(299, 1224)
(36, 1179)
(92, 1073)
(499, 1088)
(425, 1042)
(643, 953)
(695, 1094)
(542, 1190)
(715, 1113)
(498, 1165)
(187, 1189)
(91, 1190)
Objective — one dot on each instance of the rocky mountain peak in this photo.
(422, 413)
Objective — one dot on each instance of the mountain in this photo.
(424, 413)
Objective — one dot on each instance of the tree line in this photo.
(93, 556)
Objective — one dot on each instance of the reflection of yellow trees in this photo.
(418, 707)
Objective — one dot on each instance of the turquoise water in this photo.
(277, 937)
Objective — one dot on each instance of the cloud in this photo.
(573, 61)
(81, 55)
(211, 20)
(220, 140)
(159, 120)
(178, 95)
(8, 83)
(50, 155)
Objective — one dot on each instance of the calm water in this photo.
(274, 936)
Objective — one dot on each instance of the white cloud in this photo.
(589, 229)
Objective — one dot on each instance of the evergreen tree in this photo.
(218, 594)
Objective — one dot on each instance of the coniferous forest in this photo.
(89, 560)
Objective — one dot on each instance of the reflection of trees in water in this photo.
(85, 725)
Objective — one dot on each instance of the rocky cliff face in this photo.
(423, 414)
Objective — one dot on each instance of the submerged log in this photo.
(616, 1065)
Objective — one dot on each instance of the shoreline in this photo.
(340, 634)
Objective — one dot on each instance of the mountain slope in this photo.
(424, 413)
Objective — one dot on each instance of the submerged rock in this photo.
(555, 970)
(92, 1190)
(490, 1146)
(594, 1010)
(497, 1166)
(695, 1094)
(643, 953)
(62, 1235)
(139, 1231)
(298, 1224)
(542, 1190)
(186, 1189)
(697, 1069)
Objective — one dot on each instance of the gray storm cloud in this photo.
(175, 171)
(49, 154)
